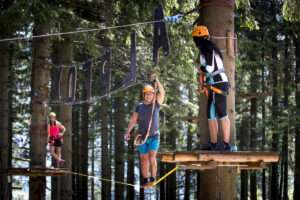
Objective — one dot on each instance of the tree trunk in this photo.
(162, 166)
(119, 146)
(171, 135)
(40, 93)
(297, 125)
(93, 169)
(76, 151)
(244, 139)
(84, 144)
(130, 169)
(187, 186)
(105, 153)
(253, 139)
(64, 55)
(275, 135)
(285, 136)
(104, 113)
(263, 113)
(5, 134)
(218, 16)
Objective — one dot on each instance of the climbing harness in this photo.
(206, 86)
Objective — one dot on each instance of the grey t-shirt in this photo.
(144, 114)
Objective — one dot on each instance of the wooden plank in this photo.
(205, 156)
(213, 165)
(36, 172)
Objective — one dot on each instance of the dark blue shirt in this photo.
(144, 114)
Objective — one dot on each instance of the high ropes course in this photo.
(201, 160)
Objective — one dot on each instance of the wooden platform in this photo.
(203, 160)
(36, 172)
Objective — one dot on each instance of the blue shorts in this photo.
(152, 144)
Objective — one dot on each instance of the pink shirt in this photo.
(54, 130)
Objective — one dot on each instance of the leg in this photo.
(53, 153)
(221, 109)
(153, 148)
(153, 163)
(58, 152)
(212, 118)
(144, 158)
(225, 126)
(213, 130)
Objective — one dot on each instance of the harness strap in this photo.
(219, 71)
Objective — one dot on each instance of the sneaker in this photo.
(227, 147)
(150, 183)
(60, 162)
(210, 147)
(145, 181)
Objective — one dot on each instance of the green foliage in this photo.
(290, 10)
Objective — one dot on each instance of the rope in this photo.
(80, 31)
(94, 30)
(120, 182)
(95, 99)
(100, 178)
(165, 176)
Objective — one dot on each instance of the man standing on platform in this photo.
(146, 115)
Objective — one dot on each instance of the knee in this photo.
(52, 152)
(144, 159)
(152, 158)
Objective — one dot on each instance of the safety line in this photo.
(120, 182)
(165, 176)
(80, 31)
(100, 178)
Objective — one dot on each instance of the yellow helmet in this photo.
(52, 114)
(148, 89)
(200, 31)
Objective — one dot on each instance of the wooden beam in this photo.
(220, 157)
(36, 172)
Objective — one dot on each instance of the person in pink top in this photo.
(55, 138)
